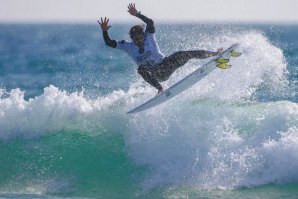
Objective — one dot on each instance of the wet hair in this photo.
(137, 29)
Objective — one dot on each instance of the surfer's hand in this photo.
(132, 9)
(104, 24)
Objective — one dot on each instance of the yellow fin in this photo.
(223, 66)
(222, 60)
(235, 54)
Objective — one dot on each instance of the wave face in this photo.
(69, 136)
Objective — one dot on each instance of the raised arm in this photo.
(149, 22)
(104, 24)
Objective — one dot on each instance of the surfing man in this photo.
(154, 67)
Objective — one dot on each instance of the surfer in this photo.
(154, 67)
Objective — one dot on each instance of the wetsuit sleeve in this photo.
(149, 22)
(108, 40)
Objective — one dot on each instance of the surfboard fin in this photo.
(223, 66)
(235, 54)
(222, 60)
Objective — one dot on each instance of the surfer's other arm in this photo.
(149, 22)
(104, 24)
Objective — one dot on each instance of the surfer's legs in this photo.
(178, 59)
(149, 77)
(169, 64)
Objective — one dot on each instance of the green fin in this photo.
(222, 60)
(223, 66)
(235, 54)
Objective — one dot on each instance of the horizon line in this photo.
(160, 21)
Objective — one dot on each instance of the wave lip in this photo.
(54, 110)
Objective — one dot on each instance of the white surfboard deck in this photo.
(185, 83)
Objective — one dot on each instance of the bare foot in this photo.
(220, 50)
(159, 91)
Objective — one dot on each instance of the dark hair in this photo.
(137, 29)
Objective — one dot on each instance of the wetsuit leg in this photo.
(178, 59)
(149, 77)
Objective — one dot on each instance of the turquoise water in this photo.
(64, 132)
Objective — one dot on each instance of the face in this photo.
(138, 39)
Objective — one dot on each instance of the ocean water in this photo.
(64, 132)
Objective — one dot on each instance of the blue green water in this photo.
(64, 132)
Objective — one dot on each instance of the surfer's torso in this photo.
(148, 54)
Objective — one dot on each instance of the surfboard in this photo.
(219, 61)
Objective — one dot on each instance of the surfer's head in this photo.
(137, 34)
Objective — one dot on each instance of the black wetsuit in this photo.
(163, 70)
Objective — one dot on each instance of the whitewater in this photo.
(65, 133)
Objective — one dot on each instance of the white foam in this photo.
(219, 146)
(52, 111)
